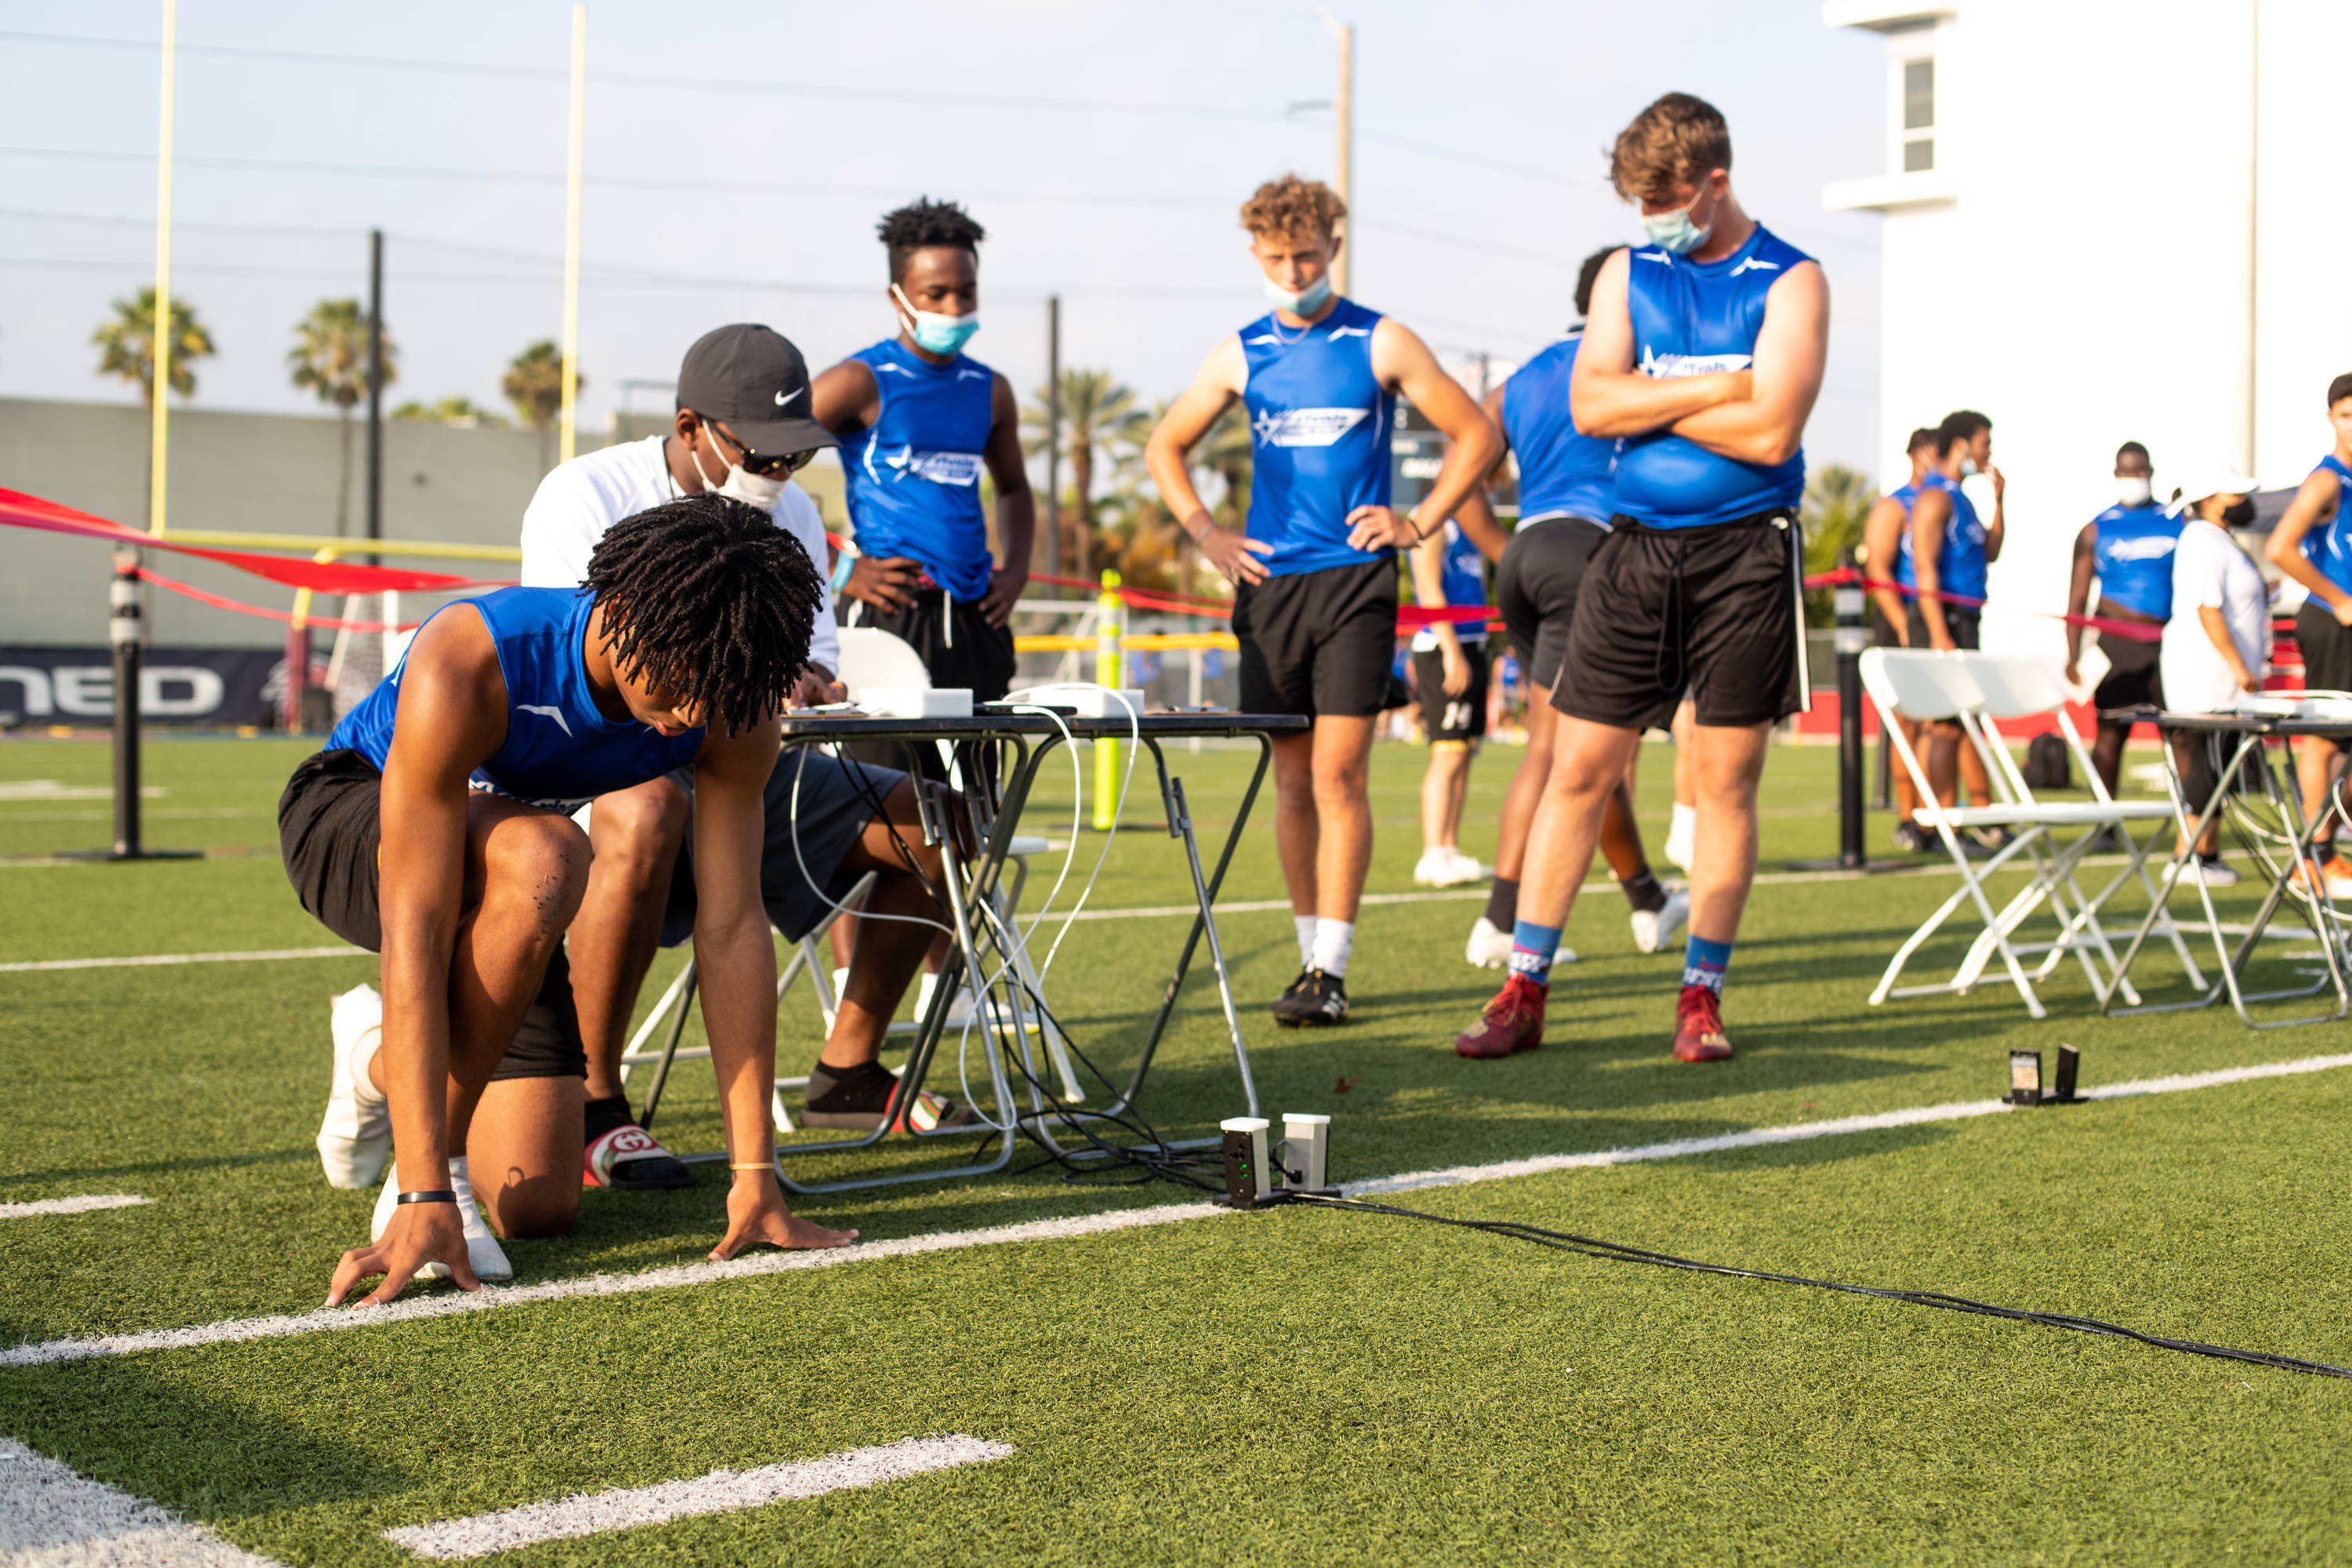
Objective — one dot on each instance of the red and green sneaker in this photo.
(1513, 1022)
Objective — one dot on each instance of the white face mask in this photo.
(2132, 491)
(1969, 469)
(761, 490)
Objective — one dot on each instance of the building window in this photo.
(1918, 137)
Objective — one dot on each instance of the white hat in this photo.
(2217, 479)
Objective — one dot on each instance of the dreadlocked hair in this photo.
(706, 599)
(922, 223)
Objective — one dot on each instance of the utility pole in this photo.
(160, 329)
(568, 439)
(1344, 111)
(1053, 434)
(375, 389)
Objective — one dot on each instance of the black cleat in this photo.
(1314, 998)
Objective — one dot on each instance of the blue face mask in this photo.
(1674, 232)
(933, 332)
(1305, 302)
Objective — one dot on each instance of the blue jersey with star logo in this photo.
(913, 475)
(1319, 424)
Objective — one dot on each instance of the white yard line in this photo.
(52, 1516)
(73, 1205)
(1151, 911)
(409, 1308)
(721, 1491)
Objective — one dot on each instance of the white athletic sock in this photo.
(1333, 941)
(1684, 820)
(1306, 927)
(363, 1059)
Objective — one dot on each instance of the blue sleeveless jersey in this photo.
(1561, 473)
(914, 474)
(1464, 577)
(2133, 552)
(2330, 547)
(1693, 319)
(1320, 437)
(559, 750)
(1960, 565)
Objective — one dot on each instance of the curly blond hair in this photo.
(1293, 204)
(1673, 144)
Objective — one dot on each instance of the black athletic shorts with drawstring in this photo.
(1713, 611)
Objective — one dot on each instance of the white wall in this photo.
(2087, 285)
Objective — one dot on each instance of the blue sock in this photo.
(1532, 947)
(1704, 963)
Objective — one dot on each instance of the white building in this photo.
(2108, 220)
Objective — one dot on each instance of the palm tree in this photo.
(1837, 499)
(126, 344)
(1100, 421)
(534, 384)
(330, 357)
(455, 409)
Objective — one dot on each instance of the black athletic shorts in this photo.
(1966, 625)
(2132, 679)
(1711, 611)
(1318, 642)
(1445, 717)
(1535, 587)
(2326, 645)
(328, 824)
(1883, 632)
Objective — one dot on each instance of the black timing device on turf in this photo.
(2025, 1079)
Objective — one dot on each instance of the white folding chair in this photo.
(1952, 688)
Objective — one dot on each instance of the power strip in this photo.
(915, 701)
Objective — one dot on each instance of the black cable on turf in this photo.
(1591, 1246)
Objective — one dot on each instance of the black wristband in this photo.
(442, 1195)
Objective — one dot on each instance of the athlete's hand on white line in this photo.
(756, 1213)
(1379, 527)
(419, 1234)
(1235, 556)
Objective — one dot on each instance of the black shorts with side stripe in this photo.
(329, 821)
(1712, 611)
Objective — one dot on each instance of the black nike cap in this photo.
(753, 380)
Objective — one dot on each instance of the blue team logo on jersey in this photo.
(1306, 426)
(1654, 363)
(961, 469)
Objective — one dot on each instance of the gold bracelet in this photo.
(767, 1165)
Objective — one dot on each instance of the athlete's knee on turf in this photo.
(545, 858)
(524, 1207)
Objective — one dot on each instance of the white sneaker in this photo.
(960, 1012)
(2211, 873)
(1467, 869)
(356, 1136)
(1653, 929)
(1682, 836)
(1491, 949)
(482, 1249)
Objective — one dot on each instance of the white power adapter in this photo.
(916, 701)
(1085, 701)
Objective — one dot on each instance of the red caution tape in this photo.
(20, 511)
(2130, 631)
(188, 591)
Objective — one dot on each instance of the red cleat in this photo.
(1513, 1021)
(1698, 1027)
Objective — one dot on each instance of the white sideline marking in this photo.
(42, 1352)
(167, 958)
(720, 1491)
(73, 1205)
(1153, 911)
(52, 1516)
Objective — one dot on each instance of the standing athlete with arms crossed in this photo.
(1315, 577)
(1704, 353)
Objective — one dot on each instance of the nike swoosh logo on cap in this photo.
(781, 399)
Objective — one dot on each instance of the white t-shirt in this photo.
(578, 500)
(2209, 569)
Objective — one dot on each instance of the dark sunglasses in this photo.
(769, 463)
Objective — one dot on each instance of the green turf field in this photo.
(1291, 1387)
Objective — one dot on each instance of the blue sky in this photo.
(1105, 146)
